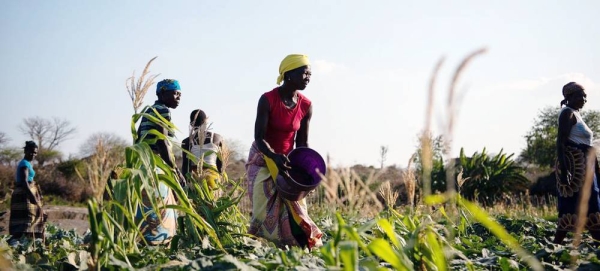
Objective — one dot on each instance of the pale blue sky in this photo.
(371, 64)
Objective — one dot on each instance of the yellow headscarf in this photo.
(291, 62)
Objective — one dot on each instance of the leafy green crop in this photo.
(212, 233)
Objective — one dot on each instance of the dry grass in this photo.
(99, 168)
(452, 113)
(426, 147)
(225, 156)
(410, 182)
(138, 89)
(526, 206)
(346, 191)
(389, 196)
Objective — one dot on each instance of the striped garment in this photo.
(146, 124)
(25, 216)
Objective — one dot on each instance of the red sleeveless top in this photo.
(284, 122)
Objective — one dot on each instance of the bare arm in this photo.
(164, 151)
(217, 139)
(186, 163)
(166, 154)
(260, 127)
(565, 123)
(302, 135)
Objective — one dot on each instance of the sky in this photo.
(371, 63)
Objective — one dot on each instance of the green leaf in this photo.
(384, 251)
(389, 230)
(481, 216)
(349, 255)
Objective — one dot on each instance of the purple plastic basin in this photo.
(304, 176)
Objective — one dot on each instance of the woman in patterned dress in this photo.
(282, 119)
(577, 167)
(27, 217)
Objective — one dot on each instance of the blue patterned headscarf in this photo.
(167, 85)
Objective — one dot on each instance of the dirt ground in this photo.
(64, 217)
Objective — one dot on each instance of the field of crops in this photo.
(364, 230)
(364, 226)
(400, 240)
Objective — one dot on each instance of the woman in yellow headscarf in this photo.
(282, 119)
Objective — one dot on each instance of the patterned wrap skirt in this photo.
(283, 222)
(569, 192)
(159, 229)
(25, 216)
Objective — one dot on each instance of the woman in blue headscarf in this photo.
(160, 229)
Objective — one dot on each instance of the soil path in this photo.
(65, 217)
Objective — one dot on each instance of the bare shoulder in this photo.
(263, 101)
(566, 114)
(217, 138)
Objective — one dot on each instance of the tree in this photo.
(437, 144)
(8, 154)
(48, 134)
(111, 142)
(438, 169)
(541, 139)
(3, 139)
(383, 151)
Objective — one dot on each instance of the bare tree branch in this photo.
(61, 131)
(48, 134)
(110, 141)
(3, 139)
(37, 128)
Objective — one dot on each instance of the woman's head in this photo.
(30, 150)
(298, 78)
(197, 118)
(574, 95)
(294, 71)
(169, 92)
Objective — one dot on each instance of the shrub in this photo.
(70, 167)
(489, 178)
(544, 185)
(53, 182)
(7, 181)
